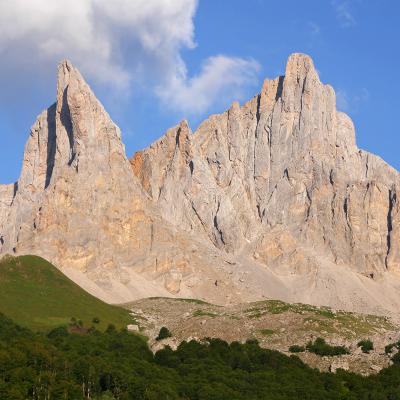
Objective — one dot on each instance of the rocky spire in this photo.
(286, 160)
(76, 129)
(78, 204)
(85, 130)
(271, 198)
(300, 84)
(74, 157)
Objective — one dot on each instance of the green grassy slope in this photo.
(37, 295)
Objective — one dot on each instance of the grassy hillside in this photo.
(37, 295)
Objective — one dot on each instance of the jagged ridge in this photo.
(269, 199)
(285, 162)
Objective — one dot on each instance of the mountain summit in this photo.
(269, 199)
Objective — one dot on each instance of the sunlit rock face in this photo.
(78, 203)
(269, 199)
(281, 173)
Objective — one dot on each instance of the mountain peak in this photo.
(82, 116)
(299, 61)
(68, 76)
(272, 189)
(298, 67)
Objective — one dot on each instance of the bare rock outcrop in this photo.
(280, 176)
(78, 204)
(269, 199)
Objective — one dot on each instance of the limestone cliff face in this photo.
(270, 199)
(78, 204)
(75, 180)
(280, 177)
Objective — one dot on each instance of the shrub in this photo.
(92, 329)
(267, 332)
(396, 359)
(366, 345)
(389, 348)
(296, 349)
(111, 328)
(321, 348)
(76, 323)
(61, 331)
(163, 334)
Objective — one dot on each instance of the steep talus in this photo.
(269, 199)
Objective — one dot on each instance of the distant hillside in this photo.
(37, 295)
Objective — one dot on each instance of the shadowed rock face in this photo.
(269, 199)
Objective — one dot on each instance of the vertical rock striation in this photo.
(281, 177)
(269, 199)
(78, 204)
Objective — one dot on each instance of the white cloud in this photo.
(98, 34)
(123, 43)
(343, 12)
(220, 75)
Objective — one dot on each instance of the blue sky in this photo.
(155, 62)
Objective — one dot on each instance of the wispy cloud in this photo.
(342, 100)
(220, 76)
(348, 102)
(314, 36)
(125, 44)
(315, 29)
(344, 12)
